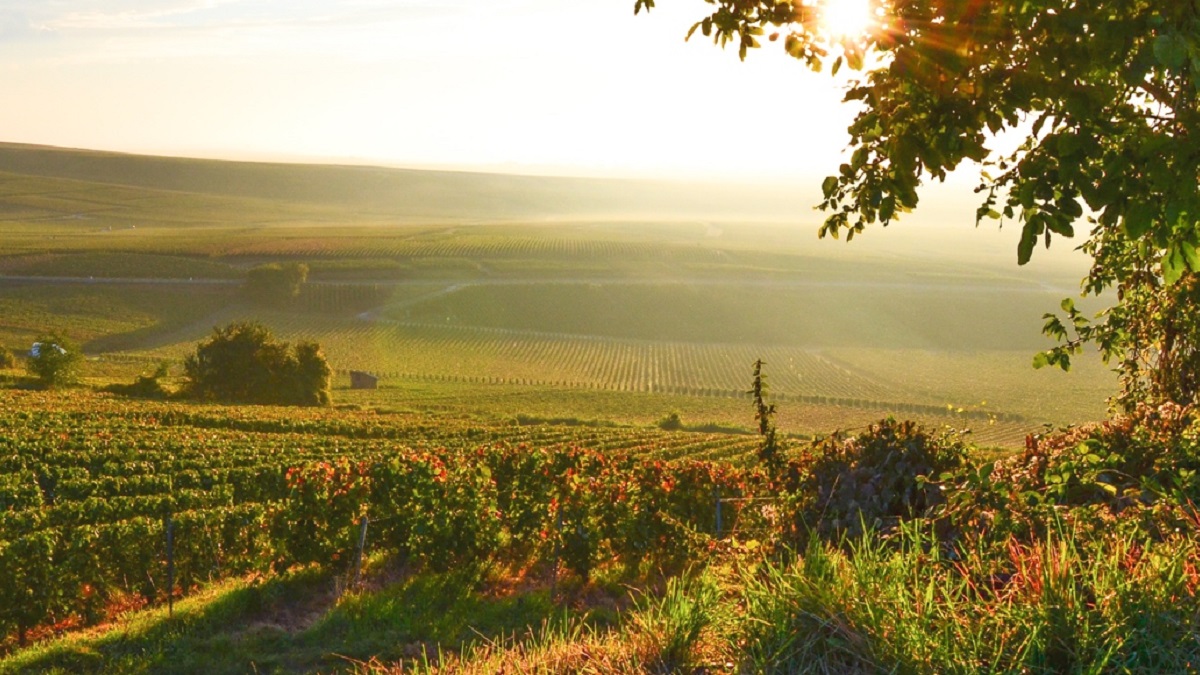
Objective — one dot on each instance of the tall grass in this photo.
(1057, 606)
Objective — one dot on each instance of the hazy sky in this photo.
(526, 85)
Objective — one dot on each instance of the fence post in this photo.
(557, 555)
(169, 526)
(717, 499)
(362, 543)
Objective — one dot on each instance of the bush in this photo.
(877, 478)
(145, 386)
(244, 363)
(7, 360)
(670, 422)
(1138, 473)
(274, 283)
(54, 361)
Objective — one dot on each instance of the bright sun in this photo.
(846, 18)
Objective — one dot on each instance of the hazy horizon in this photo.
(519, 86)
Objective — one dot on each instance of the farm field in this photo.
(562, 428)
(139, 258)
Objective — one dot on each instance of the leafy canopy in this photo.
(244, 363)
(55, 361)
(1103, 95)
(275, 283)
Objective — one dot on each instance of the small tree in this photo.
(55, 361)
(310, 377)
(769, 450)
(274, 283)
(7, 360)
(244, 363)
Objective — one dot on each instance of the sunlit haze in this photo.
(847, 18)
(514, 85)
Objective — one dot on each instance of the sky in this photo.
(579, 87)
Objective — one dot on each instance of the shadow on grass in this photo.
(294, 624)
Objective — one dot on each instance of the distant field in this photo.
(554, 293)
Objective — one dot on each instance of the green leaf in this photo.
(1138, 219)
(1190, 255)
(1171, 50)
(1068, 144)
(985, 471)
(887, 208)
(1060, 225)
(829, 185)
(1173, 265)
(854, 59)
(1041, 360)
(1029, 236)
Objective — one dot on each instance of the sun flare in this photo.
(846, 18)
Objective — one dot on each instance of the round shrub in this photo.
(877, 478)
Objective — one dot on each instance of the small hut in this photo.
(361, 380)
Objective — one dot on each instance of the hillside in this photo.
(404, 194)
(501, 285)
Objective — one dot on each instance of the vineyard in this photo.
(137, 259)
(407, 352)
(93, 489)
(563, 369)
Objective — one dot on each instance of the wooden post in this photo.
(557, 554)
(362, 544)
(170, 528)
(717, 498)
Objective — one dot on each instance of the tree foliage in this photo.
(1103, 96)
(244, 363)
(276, 283)
(55, 361)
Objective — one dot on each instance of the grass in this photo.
(1066, 606)
(196, 639)
(299, 623)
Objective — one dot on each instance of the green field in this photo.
(571, 288)
(561, 469)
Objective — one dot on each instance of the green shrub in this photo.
(244, 363)
(274, 283)
(1138, 472)
(875, 479)
(7, 360)
(55, 361)
(670, 422)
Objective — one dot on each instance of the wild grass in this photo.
(868, 606)
(1063, 605)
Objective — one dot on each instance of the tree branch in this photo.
(1158, 92)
